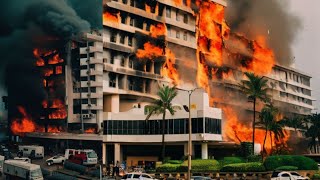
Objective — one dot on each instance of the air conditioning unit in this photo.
(89, 94)
(88, 83)
(89, 105)
(92, 115)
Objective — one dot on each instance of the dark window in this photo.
(132, 3)
(122, 37)
(168, 12)
(113, 37)
(185, 18)
(93, 89)
(178, 35)
(177, 15)
(131, 21)
(185, 36)
(129, 41)
(93, 101)
(124, 1)
(92, 78)
(112, 80)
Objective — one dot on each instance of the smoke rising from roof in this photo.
(269, 18)
(26, 25)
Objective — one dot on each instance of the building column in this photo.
(117, 153)
(204, 151)
(104, 153)
(186, 149)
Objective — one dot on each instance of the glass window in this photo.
(129, 41)
(178, 34)
(185, 36)
(185, 18)
(113, 37)
(177, 15)
(122, 37)
(132, 3)
(168, 12)
(131, 22)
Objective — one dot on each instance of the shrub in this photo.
(301, 162)
(174, 162)
(245, 149)
(316, 176)
(202, 165)
(254, 158)
(287, 168)
(244, 167)
(168, 168)
(231, 160)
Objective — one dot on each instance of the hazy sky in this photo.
(307, 46)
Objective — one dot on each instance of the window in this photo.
(113, 37)
(185, 36)
(122, 61)
(94, 101)
(132, 3)
(93, 89)
(185, 18)
(169, 30)
(185, 2)
(129, 41)
(112, 80)
(168, 12)
(122, 36)
(131, 22)
(124, 1)
(130, 63)
(177, 15)
(123, 19)
(178, 34)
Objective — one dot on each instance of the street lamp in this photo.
(190, 129)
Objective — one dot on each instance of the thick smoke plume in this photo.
(269, 18)
(32, 24)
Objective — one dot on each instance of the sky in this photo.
(306, 48)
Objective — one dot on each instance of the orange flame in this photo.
(55, 59)
(169, 69)
(148, 8)
(36, 54)
(109, 17)
(48, 72)
(158, 30)
(236, 131)
(23, 125)
(263, 58)
(59, 70)
(53, 129)
(150, 51)
(90, 130)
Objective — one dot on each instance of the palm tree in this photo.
(296, 122)
(313, 131)
(256, 89)
(277, 129)
(267, 118)
(161, 106)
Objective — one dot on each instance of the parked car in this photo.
(28, 160)
(58, 159)
(200, 178)
(6, 153)
(286, 175)
(138, 176)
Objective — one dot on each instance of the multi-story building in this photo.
(111, 86)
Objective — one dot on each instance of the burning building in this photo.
(108, 77)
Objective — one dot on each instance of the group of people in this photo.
(116, 169)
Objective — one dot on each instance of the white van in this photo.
(14, 169)
(24, 159)
(32, 151)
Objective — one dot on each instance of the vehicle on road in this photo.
(14, 169)
(81, 156)
(31, 151)
(58, 159)
(138, 176)
(6, 153)
(287, 175)
(24, 159)
(200, 178)
(1, 165)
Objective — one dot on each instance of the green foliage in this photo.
(168, 168)
(202, 165)
(244, 167)
(287, 168)
(303, 163)
(254, 158)
(231, 160)
(245, 149)
(174, 162)
(316, 176)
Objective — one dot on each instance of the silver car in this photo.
(138, 176)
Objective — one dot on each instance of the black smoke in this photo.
(269, 18)
(29, 24)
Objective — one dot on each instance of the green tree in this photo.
(267, 119)
(313, 130)
(255, 87)
(296, 122)
(161, 106)
(277, 129)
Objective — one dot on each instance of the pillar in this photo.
(204, 151)
(186, 149)
(117, 152)
(104, 153)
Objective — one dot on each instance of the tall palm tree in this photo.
(277, 129)
(296, 122)
(256, 89)
(161, 106)
(313, 130)
(267, 118)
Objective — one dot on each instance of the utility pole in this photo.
(190, 130)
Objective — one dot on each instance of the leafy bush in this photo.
(174, 162)
(168, 168)
(245, 149)
(254, 158)
(244, 167)
(303, 163)
(316, 176)
(231, 160)
(287, 168)
(202, 165)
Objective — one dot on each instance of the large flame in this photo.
(109, 17)
(150, 51)
(23, 125)
(60, 110)
(238, 132)
(158, 30)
